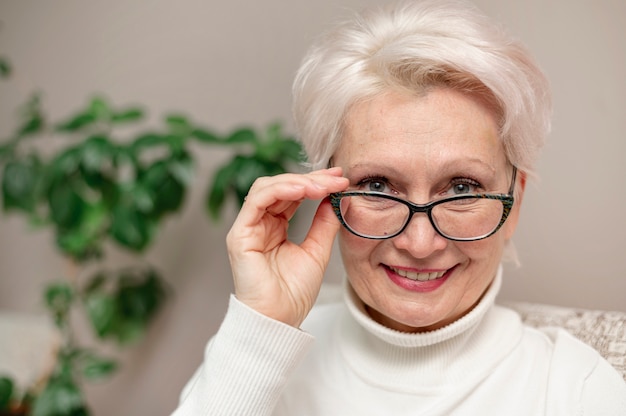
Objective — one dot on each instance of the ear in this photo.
(511, 222)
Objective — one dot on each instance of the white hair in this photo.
(416, 46)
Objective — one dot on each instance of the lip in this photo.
(411, 285)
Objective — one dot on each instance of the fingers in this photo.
(272, 275)
(272, 201)
(319, 239)
(282, 194)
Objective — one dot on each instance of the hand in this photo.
(273, 275)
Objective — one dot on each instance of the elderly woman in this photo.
(427, 122)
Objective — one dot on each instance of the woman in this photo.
(427, 121)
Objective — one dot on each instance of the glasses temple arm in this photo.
(512, 187)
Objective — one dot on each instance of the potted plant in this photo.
(102, 186)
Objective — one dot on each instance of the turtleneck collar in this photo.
(429, 361)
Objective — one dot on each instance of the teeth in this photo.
(422, 277)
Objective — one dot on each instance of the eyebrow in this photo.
(462, 163)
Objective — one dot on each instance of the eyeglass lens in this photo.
(374, 216)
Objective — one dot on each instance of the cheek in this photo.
(356, 252)
(488, 251)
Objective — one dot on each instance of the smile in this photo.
(422, 277)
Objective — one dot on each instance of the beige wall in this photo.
(232, 62)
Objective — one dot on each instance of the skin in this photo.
(419, 148)
(273, 275)
(420, 145)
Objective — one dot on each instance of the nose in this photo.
(420, 238)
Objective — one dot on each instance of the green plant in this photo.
(102, 185)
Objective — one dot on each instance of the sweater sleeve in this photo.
(246, 365)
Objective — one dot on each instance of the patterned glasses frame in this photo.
(506, 199)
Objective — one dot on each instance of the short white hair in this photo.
(416, 46)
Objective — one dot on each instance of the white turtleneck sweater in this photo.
(344, 363)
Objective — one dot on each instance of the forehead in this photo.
(440, 128)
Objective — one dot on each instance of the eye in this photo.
(376, 184)
(462, 186)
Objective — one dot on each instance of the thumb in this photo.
(319, 240)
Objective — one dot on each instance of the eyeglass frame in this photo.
(507, 200)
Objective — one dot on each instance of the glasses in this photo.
(467, 217)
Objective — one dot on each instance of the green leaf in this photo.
(101, 310)
(142, 199)
(278, 147)
(96, 151)
(100, 182)
(31, 116)
(32, 125)
(95, 284)
(249, 169)
(243, 135)
(78, 245)
(140, 296)
(58, 298)
(130, 228)
(95, 217)
(167, 191)
(176, 142)
(5, 68)
(122, 308)
(20, 180)
(128, 115)
(95, 368)
(123, 158)
(222, 182)
(99, 109)
(178, 124)
(274, 131)
(7, 150)
(31, 106)
(147, 140)
(83, 242)
(292, 150)
(237, 176)
(216, 196)
(205, 136)
(86, 250)
(77, 122)
(67, 161)
(60, 397)
(66, 205)
(128, 332)
(182, 170)
(6, 392)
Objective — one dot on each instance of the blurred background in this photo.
(231, 63)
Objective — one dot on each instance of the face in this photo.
(422, 149)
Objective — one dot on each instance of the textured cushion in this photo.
(28, 346)
(603, 330)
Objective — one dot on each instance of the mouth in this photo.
(419, 276)
(422, 281)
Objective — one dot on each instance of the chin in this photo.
(416, 316)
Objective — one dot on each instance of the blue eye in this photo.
(461, 188)
(464, 186)
(374, 184)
